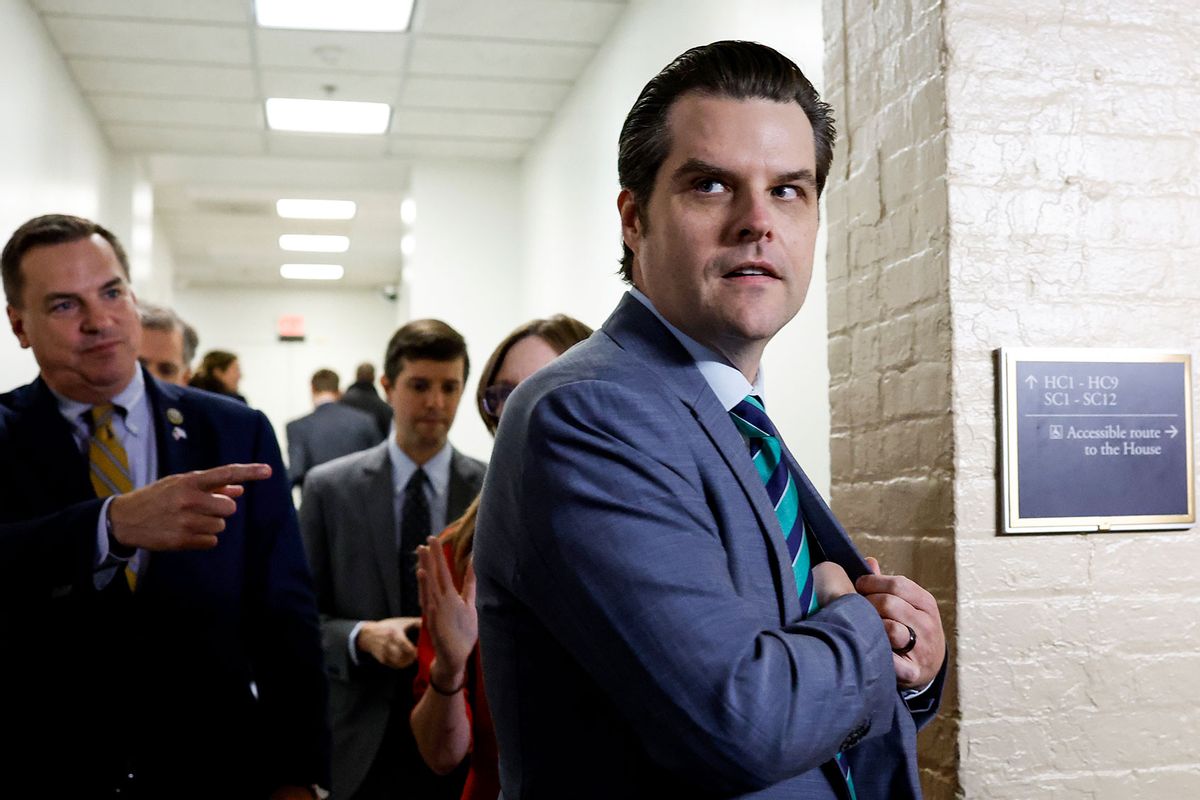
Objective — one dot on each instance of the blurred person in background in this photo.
(330, 431)
(219, 372)
(168, 344)
(362, 395)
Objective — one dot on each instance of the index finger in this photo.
(216, 477)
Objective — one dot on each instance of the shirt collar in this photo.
(437, 469)
(726, 381)
(129, 401)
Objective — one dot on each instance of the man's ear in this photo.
(631, 222)
(17, 322)
(386, 384)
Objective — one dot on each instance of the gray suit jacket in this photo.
(348, 522)
(639, 621)
(332, 430)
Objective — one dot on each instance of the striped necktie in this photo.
(766, 449)
(109, 465)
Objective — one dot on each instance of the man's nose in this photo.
(752, 220)
(95, 318)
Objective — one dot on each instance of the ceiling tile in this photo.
(175, 80)
(346, 86)
(495, 59)
(542, 20)
(331, 50)
(419, 122)
(207, 11)
(442, 147)
(147, 41)
(317, 145)
(422, 92)
(172, 111)
(147, 139)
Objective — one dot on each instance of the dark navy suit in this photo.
(639, 622)
(160, 684)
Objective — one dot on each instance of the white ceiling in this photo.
(183, 82)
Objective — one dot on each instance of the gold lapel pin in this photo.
(174, 417)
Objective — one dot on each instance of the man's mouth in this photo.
(752, 270)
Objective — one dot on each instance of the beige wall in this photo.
(892, 444)
(1017, 174)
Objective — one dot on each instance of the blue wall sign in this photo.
(1096, 440)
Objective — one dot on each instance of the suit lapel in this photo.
(830, 535)
(460, 493)
(169, 410)
(637, 330)
(47, 441)
(379, 512)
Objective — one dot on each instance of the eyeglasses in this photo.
(494, 397)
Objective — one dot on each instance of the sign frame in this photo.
(1007, 359)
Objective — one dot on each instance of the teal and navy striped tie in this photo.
(767, 451)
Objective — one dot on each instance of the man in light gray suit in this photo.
(362, 518)
(666, 606)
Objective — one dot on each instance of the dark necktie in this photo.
(766, 450)
(414, 529)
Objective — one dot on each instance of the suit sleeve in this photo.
(289, 672)
(297, 454)
(314, 528)
(56, 552)
(625, 564)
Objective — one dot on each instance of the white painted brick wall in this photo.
(1074, 202)
(1024, 173)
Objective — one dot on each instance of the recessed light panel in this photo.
(338, 15)
(316, 209)
(327, 116)
(313, 243)
(312, 272)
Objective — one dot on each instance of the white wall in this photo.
(52, 155)
(570, 229)
(466, 267)
(344, 327)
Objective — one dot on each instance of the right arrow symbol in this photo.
(1173, 431)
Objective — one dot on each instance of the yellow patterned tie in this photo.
(109, 465)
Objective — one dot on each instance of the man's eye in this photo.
(62, 306)
(787, 192)
(709, 186)
(113, 292)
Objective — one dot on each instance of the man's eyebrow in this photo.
(804, 176)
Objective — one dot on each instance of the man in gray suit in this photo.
(330, 431)
(666, 606)
(362, 518)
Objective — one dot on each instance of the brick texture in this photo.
(1016, 174)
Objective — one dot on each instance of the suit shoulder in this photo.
(338, 469)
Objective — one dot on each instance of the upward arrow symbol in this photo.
(1031, 382)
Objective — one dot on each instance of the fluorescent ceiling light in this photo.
(316, 209)
(313, 243)
(312, 272)
(327, 116)
(342, 15)
(408, 244)
(408, 211)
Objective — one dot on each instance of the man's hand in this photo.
(450, 617)
(902, 604)
(182, 512)
(830, 582)
(387, 640)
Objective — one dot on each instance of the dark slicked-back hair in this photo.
(46, 230)
(738, 70)
(424, 339)
(324, 380)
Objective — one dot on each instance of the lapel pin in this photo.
(178, 433)
(174, 417)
